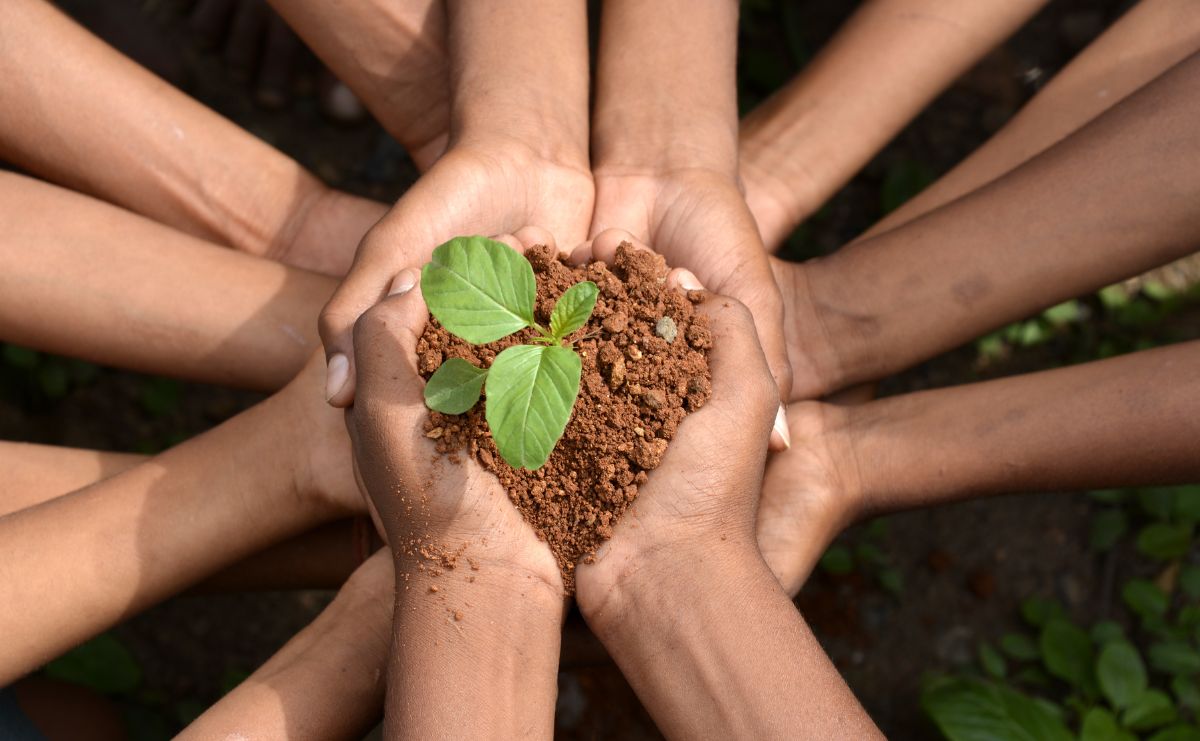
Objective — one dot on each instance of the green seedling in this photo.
(482, 290)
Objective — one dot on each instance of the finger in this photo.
(532, 236)
(743, 388)
(754, 285)
(510, 240)
(385, 342)
(604, 246)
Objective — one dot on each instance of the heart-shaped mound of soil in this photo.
(645, 367)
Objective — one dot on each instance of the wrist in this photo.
(612, 591)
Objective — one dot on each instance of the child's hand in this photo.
(432, 509)
(698, 506)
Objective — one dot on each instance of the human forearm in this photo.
(79, 563)
(740, 663)
(83, 278)
(1149, 39)
(1112, 200)
(519, 73)
(327, 682)
(79, 113)
(474, 654)
(887, 63)
(665, 100)
(393, 55)
(1127, 421)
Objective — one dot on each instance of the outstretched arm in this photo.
(880, 70)
(82, 278)
(1108, 202)
(1127, 421)
(75, 565)
(79, 113)
(327, 682)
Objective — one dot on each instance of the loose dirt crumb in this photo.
(638, 384)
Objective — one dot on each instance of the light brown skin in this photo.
(78, 564)
(340, 658)
(475, 648)
(80, 114)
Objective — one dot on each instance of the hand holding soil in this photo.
(438, 513)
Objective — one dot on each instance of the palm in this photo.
(699, 221)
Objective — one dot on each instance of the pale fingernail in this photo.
(336, 375)
(403, 282)
(781, 427)
(688, 281)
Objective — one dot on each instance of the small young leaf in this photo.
(1107, 631)
(103, 664)
(837, 560)
(454, 387)
(530, 393)
(1179, 732)
(1165, 541)
(573, 308)
(1067, 652)
(1174, 657)
(1038, 610)
(1144, 598)
(1019, 646)
(1186, 692)
(1121, 673)
(991, 661)
(479, 289)
(1149, 710)
(1099, 725)
(1108, 525)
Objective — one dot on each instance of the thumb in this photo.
(385, 344)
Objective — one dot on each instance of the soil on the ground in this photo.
(644, 353)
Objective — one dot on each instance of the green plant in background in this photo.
(1060, 681)
(867, 554)
(481, 291)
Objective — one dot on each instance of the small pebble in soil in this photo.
(666, 329)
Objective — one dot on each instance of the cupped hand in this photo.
(430, 507)
(478, 187)
(698, 220)
(701, 500)
(810, 493)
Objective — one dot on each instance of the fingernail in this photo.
(781, 427)
(336, 375)
(402, 283)
(689, 282)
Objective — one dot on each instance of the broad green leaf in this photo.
(1174, 657)
(837, 560)
(573, 308)
(1121, 673)
(971, 710)
(1100, 725)
(1144, 598)
(991, 661)
(1181, 732)
(1019, 646)
(1187, 692)
(479, 289)
(454, 387)
(1038, 610)
(1187, 502)
(1107, 631)
(1189, 580)
(1149, 710)
(1064, 313)
(1067, 652)
(1108, 525)
(1158, 503)
(530, 393)
(1165, 541)
(103, 664)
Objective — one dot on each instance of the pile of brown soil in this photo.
(645, 367)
